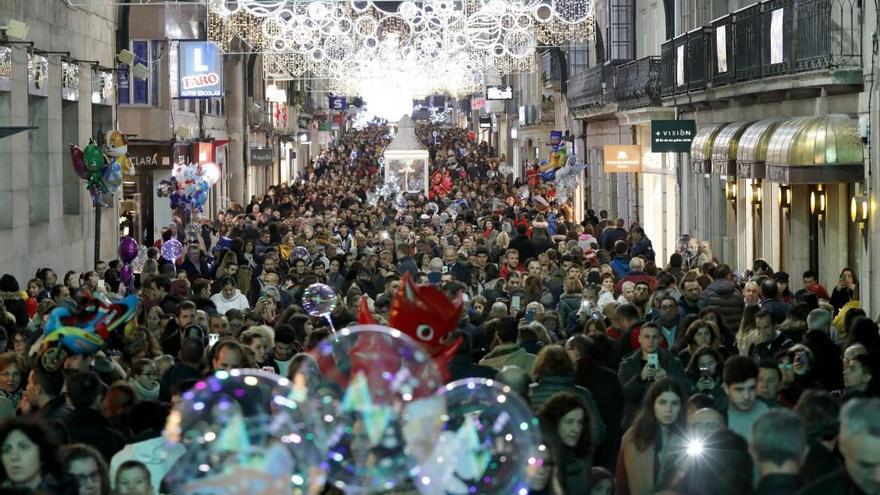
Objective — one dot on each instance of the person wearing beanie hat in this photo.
(14, 299)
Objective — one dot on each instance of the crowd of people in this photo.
(673, 376)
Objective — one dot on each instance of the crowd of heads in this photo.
(646, 374)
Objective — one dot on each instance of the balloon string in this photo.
(329, 322)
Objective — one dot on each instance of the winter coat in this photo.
(636, 473)
(643, 248)
(569, 304)
(509, 355)
(620, 265)
(723, 294)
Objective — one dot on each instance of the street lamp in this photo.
(818, 202)
(858, 209)
(785, 197)
(757, 194)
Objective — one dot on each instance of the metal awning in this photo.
(816, 150)
(725, 147)
(752, 151)
(701, 148)
(8, 131)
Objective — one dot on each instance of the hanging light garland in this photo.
(432, 45)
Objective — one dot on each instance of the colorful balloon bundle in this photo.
(86, 327)
(102, 169)
(188, 185)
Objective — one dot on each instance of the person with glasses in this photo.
(12, 371)
(144, 379)
(85, 464)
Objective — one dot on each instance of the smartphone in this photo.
(530, 315)
(213, 338)
(705, 372)
(445, 269)
(653, 360)
(515, 302)
(101, 285)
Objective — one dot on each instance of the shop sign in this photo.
(477, 103)
(622, 158)
(261, 157)
(672, 136)
(337, 103)
(38, 75)
(149, 157)
(200, 70)
(485, 122)
(325, 126)
(69, 81)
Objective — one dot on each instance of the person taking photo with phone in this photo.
(644, 366)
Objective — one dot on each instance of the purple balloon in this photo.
(126, 273)
(128, 249)
(171, 250)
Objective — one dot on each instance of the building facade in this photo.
(61, 85)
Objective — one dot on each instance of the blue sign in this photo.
(200, 70)
(338, 103)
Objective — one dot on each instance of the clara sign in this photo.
(672, 136)
(200, 70)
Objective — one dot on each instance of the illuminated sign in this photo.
(623, 158)
(200, 68)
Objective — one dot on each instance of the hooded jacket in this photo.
(238, 301)
(723, 293)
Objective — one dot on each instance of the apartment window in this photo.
(134, 91)
(577, 55)
(620, 30)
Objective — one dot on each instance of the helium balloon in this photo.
(171, 250)
(128, 249)
(301, 253)
(113, 175)
(490, 174)
(489, 439)
(523, 192)
(377, 400)
(77, 159)
(192, 231)
(432, 208)
(93, 158)
(319, 299)
(244, 431)
(138, 263)
(211, 173)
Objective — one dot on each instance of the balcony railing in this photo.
(770, 38)
(592, 87)
(638, 83)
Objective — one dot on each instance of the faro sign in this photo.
(200, 65)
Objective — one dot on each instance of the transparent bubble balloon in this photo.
(377, 395)
(319, 300)
(300, 252)
(523, 192)
(432, 208)
(192, 231)
(489, 438)
(245, 431)
(490, 174)
(400, 201)
(171, 249)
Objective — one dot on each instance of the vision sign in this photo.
(200, 67)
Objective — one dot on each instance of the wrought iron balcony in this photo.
(638, 83)
(592, 87)
(762, 40)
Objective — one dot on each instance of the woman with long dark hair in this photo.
(30, 459)
(565, 421)
(653, 445)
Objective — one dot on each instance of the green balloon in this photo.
(93, 158)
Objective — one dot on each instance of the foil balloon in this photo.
(171, 250)
(244, 432)
(113, 176)
(138, 263)
(93, 158)
(78, 161)
(301, 253)
(192, 231)
(128, 249)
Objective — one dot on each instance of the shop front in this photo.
(142, 212)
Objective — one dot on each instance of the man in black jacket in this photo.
(85, 424)
(860, 445)
(778, 445)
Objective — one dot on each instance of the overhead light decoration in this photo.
(421, 48)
